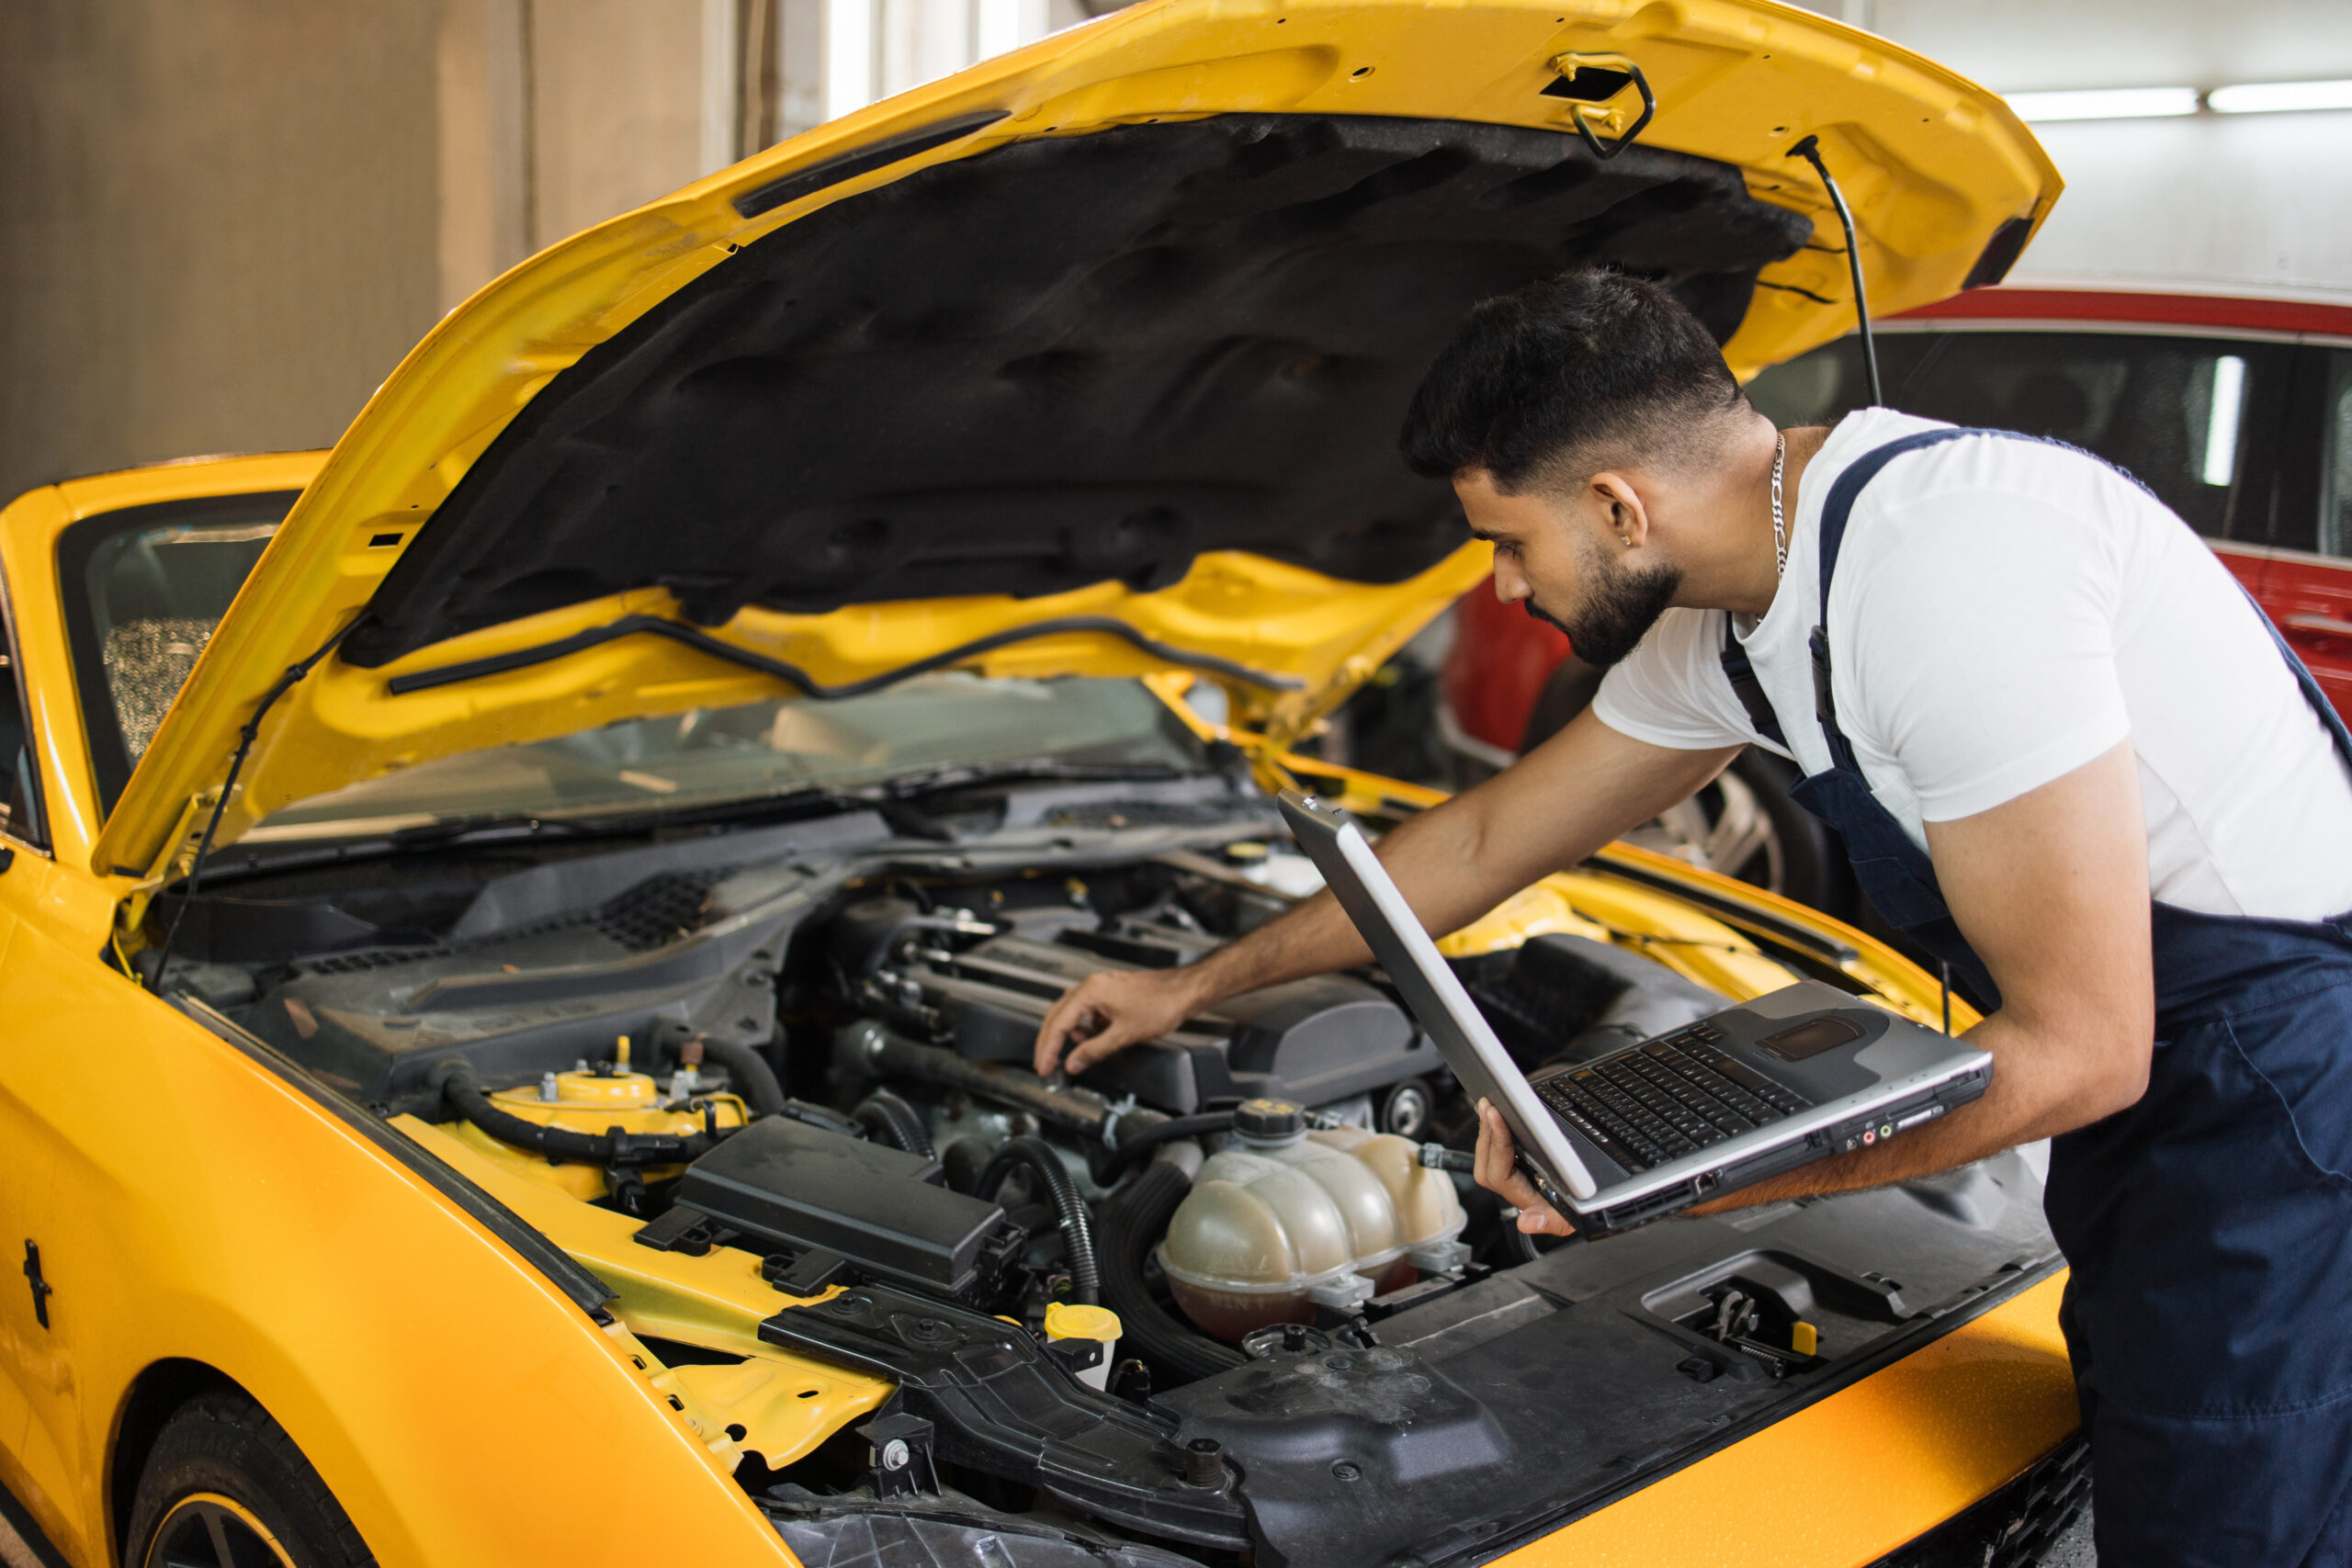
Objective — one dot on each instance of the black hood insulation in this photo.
(1062, 362)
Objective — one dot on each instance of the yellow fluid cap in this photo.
(1067, 1320)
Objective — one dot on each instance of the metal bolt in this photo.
(547, 1088)
(1204, 1463)
(894, 1454)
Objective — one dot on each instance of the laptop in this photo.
(1794, 1075)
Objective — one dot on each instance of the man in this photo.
(2063, 749)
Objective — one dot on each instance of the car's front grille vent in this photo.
(2057, 1490)
(364, 959)
(2015, 1526)
(652, 914)
(657, 911)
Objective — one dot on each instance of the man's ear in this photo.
(1619, 504)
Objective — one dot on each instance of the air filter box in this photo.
(794, 1187)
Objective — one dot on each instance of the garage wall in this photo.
(2259, 200)
(216, 226)
(223, 221)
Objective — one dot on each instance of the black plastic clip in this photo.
(1825, 705)
(682, 1231)
(1589, 82)
(1077, 1353)
(808, 1273)
(899, 1447)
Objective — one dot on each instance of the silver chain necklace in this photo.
(1780, 523)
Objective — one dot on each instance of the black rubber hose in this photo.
(1138, 1144)
(894, 1122)
(1077, 1225)
(748, 1074)
(1132, 1222)
(888, 1055)
(463, 1092)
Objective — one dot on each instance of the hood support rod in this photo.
(1809, 149)
(718, 648)
(245, 739)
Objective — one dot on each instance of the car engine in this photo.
(1170, 1298)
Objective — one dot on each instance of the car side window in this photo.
(2189, 417)
(2335, 457)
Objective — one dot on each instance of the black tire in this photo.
(1813, 862)
(1802, 860)
(223, 1472)
(1567, 693)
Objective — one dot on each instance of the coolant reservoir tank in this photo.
(1283, 1220)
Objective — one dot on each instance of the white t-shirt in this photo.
(2003, 612)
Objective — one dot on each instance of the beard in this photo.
(1619, 608)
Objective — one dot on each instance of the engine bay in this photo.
(1230, 1294)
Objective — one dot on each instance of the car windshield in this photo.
(708, 755)
(144, 589)
(2184, 415)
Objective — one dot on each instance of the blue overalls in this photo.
(2207, 1227)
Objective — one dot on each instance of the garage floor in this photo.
(2073, 1549)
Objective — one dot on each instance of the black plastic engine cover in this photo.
(796, 1188)
(1314, 1040)
(1497, 1413)
(1001, 1405)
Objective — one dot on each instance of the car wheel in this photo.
(1744, 824)
(225, 1488)
(1798, 855)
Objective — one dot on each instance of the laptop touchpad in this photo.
(1810, 1038)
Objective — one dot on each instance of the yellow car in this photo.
(520, 935)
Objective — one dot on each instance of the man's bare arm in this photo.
(1452, 863)
(2052, 891)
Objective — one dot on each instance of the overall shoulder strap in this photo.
(1837, 510)
(1835, 514)
(1750, 688)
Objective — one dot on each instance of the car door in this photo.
(2307, 585)
(37, 1383)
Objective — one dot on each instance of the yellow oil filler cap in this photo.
(1097, 1327)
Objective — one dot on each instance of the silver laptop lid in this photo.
(1431, 989)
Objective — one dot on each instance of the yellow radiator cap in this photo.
(1068, 1320)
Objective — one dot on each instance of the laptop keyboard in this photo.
(1670, 1097)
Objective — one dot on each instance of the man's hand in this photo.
(1113, 1009)
(2051, 892)
(1496, 1172)
(1452, 863)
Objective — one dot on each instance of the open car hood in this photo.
(1087, 359)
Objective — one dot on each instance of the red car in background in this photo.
(2236, 411)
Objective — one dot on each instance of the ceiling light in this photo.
(2104, 103)
(2273, 98)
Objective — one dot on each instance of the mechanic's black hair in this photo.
(1588, 362)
